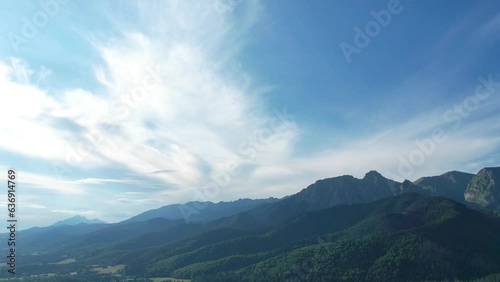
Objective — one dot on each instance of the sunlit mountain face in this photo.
(231, 140)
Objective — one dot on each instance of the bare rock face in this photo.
(484, 189)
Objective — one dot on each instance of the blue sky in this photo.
(110, 111)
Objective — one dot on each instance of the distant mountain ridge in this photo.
(481, 189)
(350, 190)
(200, 211)
(247, 214)
(347, 190)
(78, 219)
(330, 192)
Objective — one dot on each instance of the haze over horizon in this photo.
(110, 111)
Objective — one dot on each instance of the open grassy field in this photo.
(110, 269)
(66, 261)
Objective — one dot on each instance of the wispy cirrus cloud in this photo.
(173, 93)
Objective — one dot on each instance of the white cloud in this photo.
(103, 180)
(71, 212)
(31, 206)
(44, 182)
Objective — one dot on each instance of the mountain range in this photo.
(200, 211)
(337, 229)
(78, 219)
